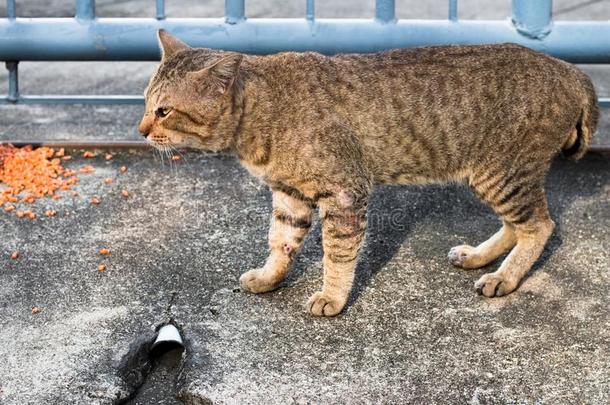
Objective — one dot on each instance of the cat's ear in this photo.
(169, 44)
(221, 74)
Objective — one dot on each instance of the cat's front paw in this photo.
(257, 281)
(321, 304)
(464, 256)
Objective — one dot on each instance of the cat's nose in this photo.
(144, 128)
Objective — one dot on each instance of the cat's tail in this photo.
(580, 137)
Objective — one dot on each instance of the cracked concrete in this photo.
(414, 331)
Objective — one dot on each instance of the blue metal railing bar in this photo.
(11, 9)
(235, 11)
(160, 10)
(13, 82)
(310, 12)
(385, 11)
(453, 10)
(76, 99)
(532, 18)
(106, 39)
(85, 9)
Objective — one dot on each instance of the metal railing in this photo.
(88, 38)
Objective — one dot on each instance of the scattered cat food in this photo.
(125, 193)
(104, 251)
(50, 213)
(101, 268)
(20, 214)
(108, 180)
(95, 200)
(60, 153)
(86, 169)
(89, 154)
(9, 208)
(108, 156)
(31, 215)
(67, 157)
(123, 169)
(56, 197)
(176, 157)
(30, 174)
(36, 310)
(15, 255)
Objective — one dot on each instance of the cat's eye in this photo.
(162, 111)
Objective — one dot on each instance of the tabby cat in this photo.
(321, 131)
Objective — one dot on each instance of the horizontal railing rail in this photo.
(88, 38)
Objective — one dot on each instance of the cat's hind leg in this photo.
(517, 195)
(290, 224)
(468, 257)
(532, 236)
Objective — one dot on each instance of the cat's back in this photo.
(508, 60)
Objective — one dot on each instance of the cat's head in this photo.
(191, 98)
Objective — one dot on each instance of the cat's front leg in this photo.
(343, 227)
(290, 223)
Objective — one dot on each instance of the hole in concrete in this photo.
(151, 368)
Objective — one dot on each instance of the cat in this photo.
(321, 131)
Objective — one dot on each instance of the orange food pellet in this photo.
(29, 199)
(60, 153)
(125, 193)
(36, 310)
(67, 157)
(123, 169)
(50, 213)
(89, 154)
(104, 251)
(9, 208)
(175, 157)
(108, 156)
(15, 255)
(108, 180)
(20, 214)
(31, 215)
(95, 200)
(101, 268)
(56, 197)
(86, 169)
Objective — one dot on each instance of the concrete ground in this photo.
(415, 330)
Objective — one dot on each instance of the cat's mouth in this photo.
(157, 141)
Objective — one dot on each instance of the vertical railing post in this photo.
(453, 10)
(11, 9)
(235, 11)
(532, 18)
(13, 82)
(160, 9)
(310, 13)
(85, 9)
(385, 11)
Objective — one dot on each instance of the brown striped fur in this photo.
(321, 131)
